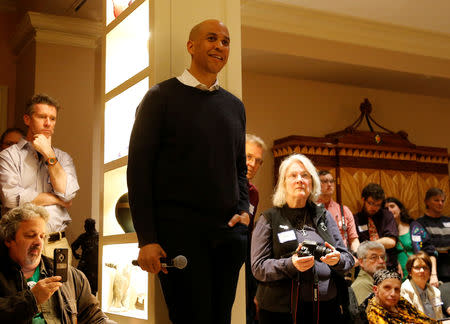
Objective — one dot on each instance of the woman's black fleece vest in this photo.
(276, 296)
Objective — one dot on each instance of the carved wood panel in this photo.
(403, 186)
(353, 181)
(404, 170)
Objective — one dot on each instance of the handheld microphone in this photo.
(179, 262)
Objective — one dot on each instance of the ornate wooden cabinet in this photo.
(356, 158)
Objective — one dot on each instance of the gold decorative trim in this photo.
(380, 153)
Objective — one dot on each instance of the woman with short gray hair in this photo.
(314, 275)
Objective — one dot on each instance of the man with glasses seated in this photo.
(371, 258)
(375, 223)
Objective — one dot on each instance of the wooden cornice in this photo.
(54, 29)
(377, 156)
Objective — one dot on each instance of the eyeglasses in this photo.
(294, 176)
(374, 204)
(375, 258)
(251, 158)
(418, 268)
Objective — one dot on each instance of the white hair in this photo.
(279, 197)
(250, 138)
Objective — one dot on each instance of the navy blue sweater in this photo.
(187, 148)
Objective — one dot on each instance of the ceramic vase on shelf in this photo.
(123, 214)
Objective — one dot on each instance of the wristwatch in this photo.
(51, 161)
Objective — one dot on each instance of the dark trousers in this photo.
(328, 313)
(251, 284)
(204, 291)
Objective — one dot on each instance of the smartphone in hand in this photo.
(60, 263)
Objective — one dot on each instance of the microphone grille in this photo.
(180, 262)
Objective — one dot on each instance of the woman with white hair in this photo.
(297, 252)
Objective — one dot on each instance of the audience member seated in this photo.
(445, 296)
(371, 258)
(387, 306)
(431, 234)
(279, 232)
(341, 214)
(10, 137)
(376, 223)
(29, 293)
(416, 288)
(404, 244)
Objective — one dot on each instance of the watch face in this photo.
(52, 161)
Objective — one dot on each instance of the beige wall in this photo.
(278, 107)
(8, 61)
(26, 66)
(67, 73)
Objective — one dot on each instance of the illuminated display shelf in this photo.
(119, 119)
(115, 185)
(127, 294)
(127, 47)
(125, 286)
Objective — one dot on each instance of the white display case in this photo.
(125, 286)
(127, 46)
(119, 119)
(126, 293)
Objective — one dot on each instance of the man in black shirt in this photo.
(187, 182)
(375, 223)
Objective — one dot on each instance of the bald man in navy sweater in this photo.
(187, 182)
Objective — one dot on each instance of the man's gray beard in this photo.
(31, 259)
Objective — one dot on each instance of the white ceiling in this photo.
(432, 15)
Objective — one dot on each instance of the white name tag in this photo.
(287, 236)
(416, 238)
(363, 228)
(251, 209)
(447, 224)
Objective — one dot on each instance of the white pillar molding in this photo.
(54, 29)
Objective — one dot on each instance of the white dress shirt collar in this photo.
(188, 79)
